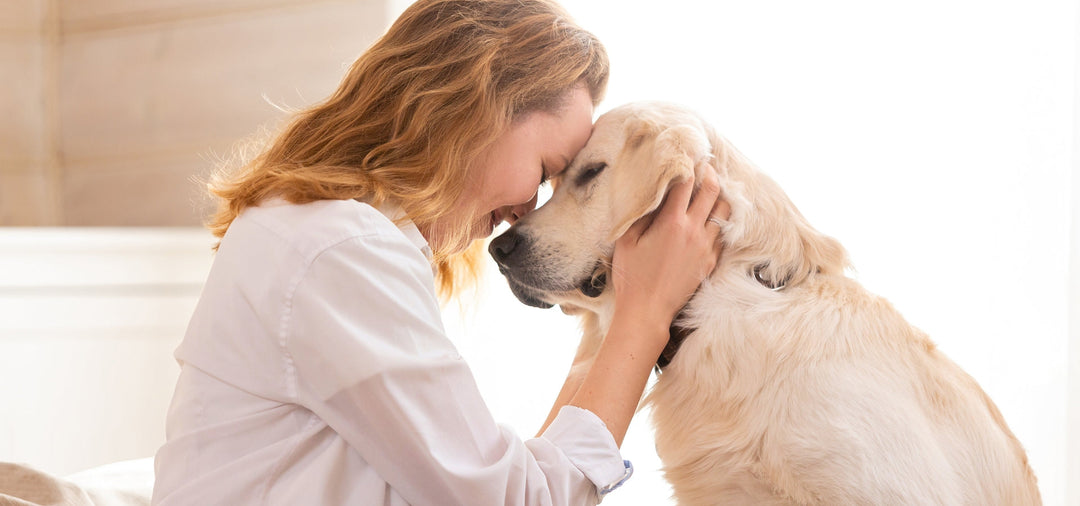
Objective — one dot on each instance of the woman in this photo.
(315, 369)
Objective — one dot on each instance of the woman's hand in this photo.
(659, 263)
(656, 268)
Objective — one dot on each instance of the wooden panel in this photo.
(154, 191)
(21, 17)
(26, 198)
(90, 15)
(27, 190)
(22, 103)
(185, 85)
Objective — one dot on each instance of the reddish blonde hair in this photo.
(413, 112)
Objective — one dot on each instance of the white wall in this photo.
(88, 322)
(1072, 448)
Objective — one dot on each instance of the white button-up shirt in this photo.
(316, 370)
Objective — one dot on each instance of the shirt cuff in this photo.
(588, 444)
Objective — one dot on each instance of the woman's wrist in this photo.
(648, 325)
(616, 380)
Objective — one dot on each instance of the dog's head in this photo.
(561, 253)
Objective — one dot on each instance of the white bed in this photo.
(125, 483)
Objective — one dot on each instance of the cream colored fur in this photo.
(819, 393)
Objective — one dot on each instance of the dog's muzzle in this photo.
(530, 284)
(502, 249)
(507, 251)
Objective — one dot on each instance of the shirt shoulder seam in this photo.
(291, 388)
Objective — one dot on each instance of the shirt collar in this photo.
(396, 214)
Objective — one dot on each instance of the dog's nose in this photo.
(502, 247)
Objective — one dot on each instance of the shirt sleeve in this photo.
(371, 359)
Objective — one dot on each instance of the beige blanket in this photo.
(21, 485)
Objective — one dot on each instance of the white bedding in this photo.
(125, 483)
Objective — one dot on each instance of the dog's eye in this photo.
(589, 173)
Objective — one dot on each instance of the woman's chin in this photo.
(484, 227)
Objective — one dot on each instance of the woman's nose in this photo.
(519, 211)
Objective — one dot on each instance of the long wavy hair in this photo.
(414, 112)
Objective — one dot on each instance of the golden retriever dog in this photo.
(785, 382)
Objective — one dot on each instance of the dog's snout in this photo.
(502, 248)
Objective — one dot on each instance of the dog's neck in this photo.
(676, 335)
(595, 326)
(678, 332)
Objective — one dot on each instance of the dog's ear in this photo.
(652, 160)
(770, 234)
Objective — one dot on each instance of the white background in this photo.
(935, 139)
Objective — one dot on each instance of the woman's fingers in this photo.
(633, 233)
(705, 200)
(721, 210)
(678, 199)
(698, 206)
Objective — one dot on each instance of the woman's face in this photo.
(536, 147)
